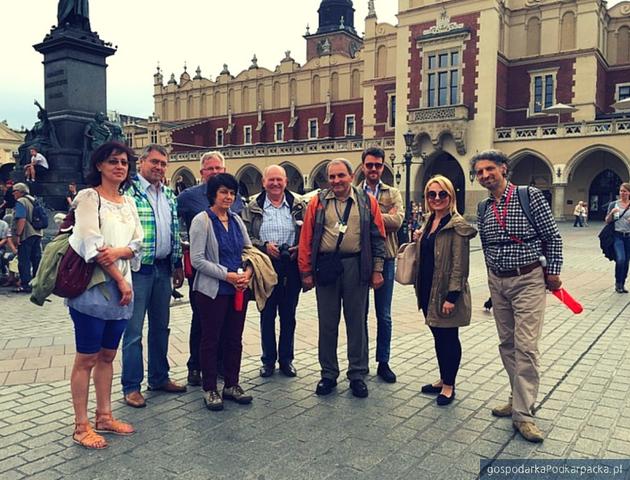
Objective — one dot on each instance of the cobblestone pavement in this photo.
(289, 433)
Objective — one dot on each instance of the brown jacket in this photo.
(452, 258)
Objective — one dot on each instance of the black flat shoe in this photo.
(430, 388)
(288, 370)
(386, 373)
(194, 378)
(325, 386)
(443, 400)
(266, 371)
(359, 388)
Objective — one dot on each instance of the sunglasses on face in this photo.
(371, 166)
(115, 161)
(442, 194)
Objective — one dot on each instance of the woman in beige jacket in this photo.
(442, 280)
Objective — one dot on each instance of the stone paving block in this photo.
(11, 365)
(587, 446)
(620, 446)
(11, 463)
(20, 377)
(553, 447)
(10, 450)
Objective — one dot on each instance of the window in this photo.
(154, 136)
(219, 137)
(312, 129)
(129, 139)
(391, 111)
(443, 78)
(278, 129)
(543, 91)
(247, 135)
(623, 91)
(351, 126)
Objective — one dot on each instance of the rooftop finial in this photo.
(371, 9)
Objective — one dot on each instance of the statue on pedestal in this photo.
(42, 136)
(74, 12)
(96, 133)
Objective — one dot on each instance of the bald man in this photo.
(273, 222)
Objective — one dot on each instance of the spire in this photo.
(335, 15)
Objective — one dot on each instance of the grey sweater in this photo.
(204, 254)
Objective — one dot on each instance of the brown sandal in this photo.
(115, 427)
(90, 439)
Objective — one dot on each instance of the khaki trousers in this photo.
(518, 304)
(349, 290)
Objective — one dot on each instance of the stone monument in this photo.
(71, 123)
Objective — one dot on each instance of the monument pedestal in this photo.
(75, 90)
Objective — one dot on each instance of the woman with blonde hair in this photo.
(442, 280)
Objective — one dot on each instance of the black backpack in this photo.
(523, 198)
(39, 215)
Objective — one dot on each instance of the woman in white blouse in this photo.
(107, 231)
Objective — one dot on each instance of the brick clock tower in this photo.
(336, 33)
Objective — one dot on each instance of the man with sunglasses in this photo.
(190, 202)
(390, 204)
(523, 252)
(161, 260)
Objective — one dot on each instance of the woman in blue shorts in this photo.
(107, 231)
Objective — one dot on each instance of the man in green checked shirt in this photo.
(161, 260)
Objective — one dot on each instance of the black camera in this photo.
(285, 255)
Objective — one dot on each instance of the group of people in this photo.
(342, 243)
(580, 213)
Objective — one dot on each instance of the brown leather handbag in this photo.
(74, 273)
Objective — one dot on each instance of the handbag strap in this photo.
(344, 221)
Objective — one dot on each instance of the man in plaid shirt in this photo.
(523, 259)
(161, 260)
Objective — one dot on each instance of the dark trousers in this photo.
(29, 255)
(449, 352)
(220, 324)
(194, 339)
(282, 302)
(578, 221)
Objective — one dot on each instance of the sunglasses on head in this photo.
(376, 166)
(442, 194)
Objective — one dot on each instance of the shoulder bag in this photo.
(607, 238)
(406, 264)
(329, 267)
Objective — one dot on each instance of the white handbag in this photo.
(406, 264)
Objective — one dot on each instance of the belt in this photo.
(517, 271)
(162, 261)
(623, 234)
(342, 256)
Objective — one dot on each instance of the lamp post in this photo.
(408, 156)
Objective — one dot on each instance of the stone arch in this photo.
(294, 177)
(574, 163)
(230, 99)
(531, 168)
(187, 176)
(317, 178)
(533, 36)
(190, 107)
(249, 180)
(260, 96)
(293, 90)
(567, 31)
(216, 107)
(178, 113)
(203, 106)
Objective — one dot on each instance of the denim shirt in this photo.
(231, 246)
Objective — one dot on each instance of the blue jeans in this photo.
(29, 255)
(383, 306)
(622, 257)
(283, 302)
(152, 294)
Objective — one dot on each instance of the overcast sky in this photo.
(207, 33)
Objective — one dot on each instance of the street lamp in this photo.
(408, 156)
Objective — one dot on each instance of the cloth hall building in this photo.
(542, 80)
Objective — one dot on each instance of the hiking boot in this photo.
(236, 394)
(213, 400)
(529, 431)
(503, 410)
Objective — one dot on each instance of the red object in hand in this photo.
(573, 305)
(239, 296)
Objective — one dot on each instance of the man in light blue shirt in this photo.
(273, 222)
